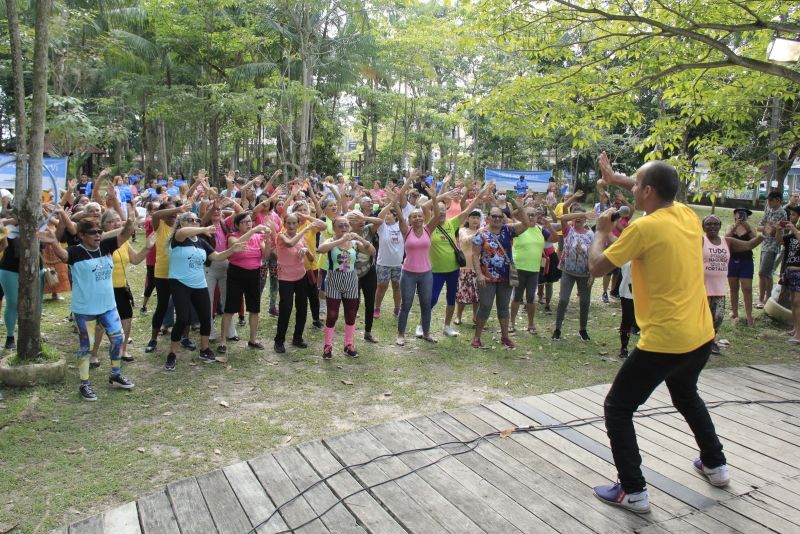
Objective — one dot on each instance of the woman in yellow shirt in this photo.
(111, 223)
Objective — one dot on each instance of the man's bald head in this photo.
(662, 177)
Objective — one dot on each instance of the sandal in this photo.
(255, 345)
(532, 331)
(234, 338)
(429, 339)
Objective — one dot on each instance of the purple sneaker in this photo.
(614, 495)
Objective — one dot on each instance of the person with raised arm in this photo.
(416, 276)
(93, 295)
(342, 283)
(492, 258)
(244, 271)
(666, 250)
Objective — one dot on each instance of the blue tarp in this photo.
(56, 166)
(504, 179)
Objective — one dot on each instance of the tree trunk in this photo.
(213, 141)
(162, 148)
(29, 308)
(21, 184)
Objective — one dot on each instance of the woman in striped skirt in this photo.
(341, 282)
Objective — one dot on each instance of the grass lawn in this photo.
(62, 459)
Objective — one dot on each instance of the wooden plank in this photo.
(155, 514)
(702, 522)
(790, 387)
(680, 444)
(737, 521)
(410, 514)
(318, 495)
(362, 505)
(122, 520)
(720, 384)
(562, 476)
(779, 501)
(447, 516)
(670, 526)
(756, 466)
(764, 451)
(254, 500)
(189, 507)
(502, 463)
(488, 507)
(280, 489)
(671, 455)
(788, 371)
(679, 491)
(222, 503)
(582, 464)
(90, 525)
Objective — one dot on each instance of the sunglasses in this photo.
(192, 220)
(497, 216)
(94, 232)
(342, 226)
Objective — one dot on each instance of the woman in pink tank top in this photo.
(716, 253)
(416, 276)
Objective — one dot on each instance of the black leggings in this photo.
(627, 322)
(163, 292)
(149, 281)
(312, 292)
(368, 285)
(287, 291)
(185, 298)
(350, 311)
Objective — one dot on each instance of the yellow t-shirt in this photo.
(558, 211)
(311, 244)
(121, 260)
(162, 252)
(666, 251)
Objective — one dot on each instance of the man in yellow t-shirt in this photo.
(665, 248)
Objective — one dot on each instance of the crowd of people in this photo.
(321, 245)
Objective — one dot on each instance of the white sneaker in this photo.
(449, 332)
(718, 476)
(419, 332)
(401, 340)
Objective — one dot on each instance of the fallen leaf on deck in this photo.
(506, 433)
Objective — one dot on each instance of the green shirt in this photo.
(443, 257)
(528, 247)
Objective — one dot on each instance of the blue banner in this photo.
(505, 179)
(56, 166)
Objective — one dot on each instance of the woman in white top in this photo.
(390, 259)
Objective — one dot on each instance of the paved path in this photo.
(530, 482)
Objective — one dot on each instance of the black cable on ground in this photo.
(470, 446)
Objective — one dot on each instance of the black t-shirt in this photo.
(791, 251)
(10, 259)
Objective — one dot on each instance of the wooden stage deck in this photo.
(528, 482)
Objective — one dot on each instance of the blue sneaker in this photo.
(614, 495)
